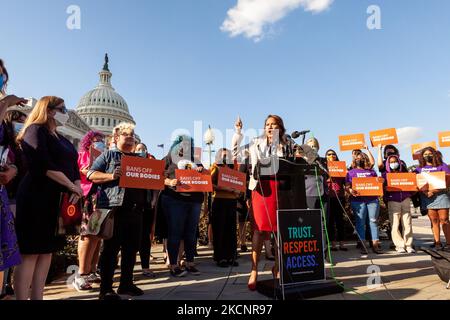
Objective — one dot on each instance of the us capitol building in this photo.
(100, 109)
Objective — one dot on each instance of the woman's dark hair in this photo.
(437, 161)
(337, 158)
(280, 123)
(5, 72)
(140, 143)
(10, 135)
(365, 158)
(390, 147)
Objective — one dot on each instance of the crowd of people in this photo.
(40, 167)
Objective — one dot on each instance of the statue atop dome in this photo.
(106, 67)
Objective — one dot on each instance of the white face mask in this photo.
(394, 165)
(61, 118)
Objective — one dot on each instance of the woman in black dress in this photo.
(52, 169)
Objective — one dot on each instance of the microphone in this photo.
(297, 134)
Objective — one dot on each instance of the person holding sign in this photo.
(399, 207)
(263, 150)
(336, 197)
(181, 209)
(435, 201)
(127, 205)
(389, 150)
(364, 206)
(88, 245)
(223, 216)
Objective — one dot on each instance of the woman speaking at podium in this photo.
(264, 184)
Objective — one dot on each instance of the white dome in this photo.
(103, 108)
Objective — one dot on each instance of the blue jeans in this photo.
(363, 209)
(182, 221)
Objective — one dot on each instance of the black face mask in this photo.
(360, 163)
(429, 159)
(224, 160)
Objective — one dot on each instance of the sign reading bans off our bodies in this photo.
(141, 173)
(401, 182)
(368, 186)
(351, 142)
(301, 246)
(232, 179)
(383, 137)
(337, 169)
(193, 181)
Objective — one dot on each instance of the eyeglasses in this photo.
(62, 109)
(126, 134)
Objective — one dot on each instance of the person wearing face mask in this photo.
(223, 213)
(364, 206)
(52, 170)
(336, 198)
(7, 101)
(435, 201)
(399, 207)
(148, 219)
(88, 245)
(181, 209)
(389, 150)
(127, 206)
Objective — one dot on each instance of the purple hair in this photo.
(86, 142)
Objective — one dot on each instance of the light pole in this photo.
(209, 141)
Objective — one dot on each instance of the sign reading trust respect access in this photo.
(141, 173)
(193, 181)
(232, 179)
(383, 137)
(352, 141)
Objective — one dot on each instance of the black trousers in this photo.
(223, 218)
(145, 249)
(336, 220)
(127, 239)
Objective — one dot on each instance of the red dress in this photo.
(264, 202)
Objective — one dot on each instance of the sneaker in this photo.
(110, 295)
(178, 272)
(130, 291)
(401, 250)
(410, 250)
(94, 277)
(80, 283)
(148, 274)
(193, 270)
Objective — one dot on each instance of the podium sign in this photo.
(301, 246)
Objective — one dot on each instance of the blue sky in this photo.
(324, 71)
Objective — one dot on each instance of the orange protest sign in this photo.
(401, 182)
(431, 181)
(368, 186)
(93, 154)
(444, 139)
(337, 169)
(232, 179)
(193, 181)
(417, 148)
(384, 137)
(351, 142)
(142, 173)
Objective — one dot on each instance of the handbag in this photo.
(100, 224)
(70, 215)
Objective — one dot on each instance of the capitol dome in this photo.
(103, 108)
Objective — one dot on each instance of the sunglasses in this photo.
(62, 109)
(331, 154)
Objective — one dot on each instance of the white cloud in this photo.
(254, 18)
(408, 136)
